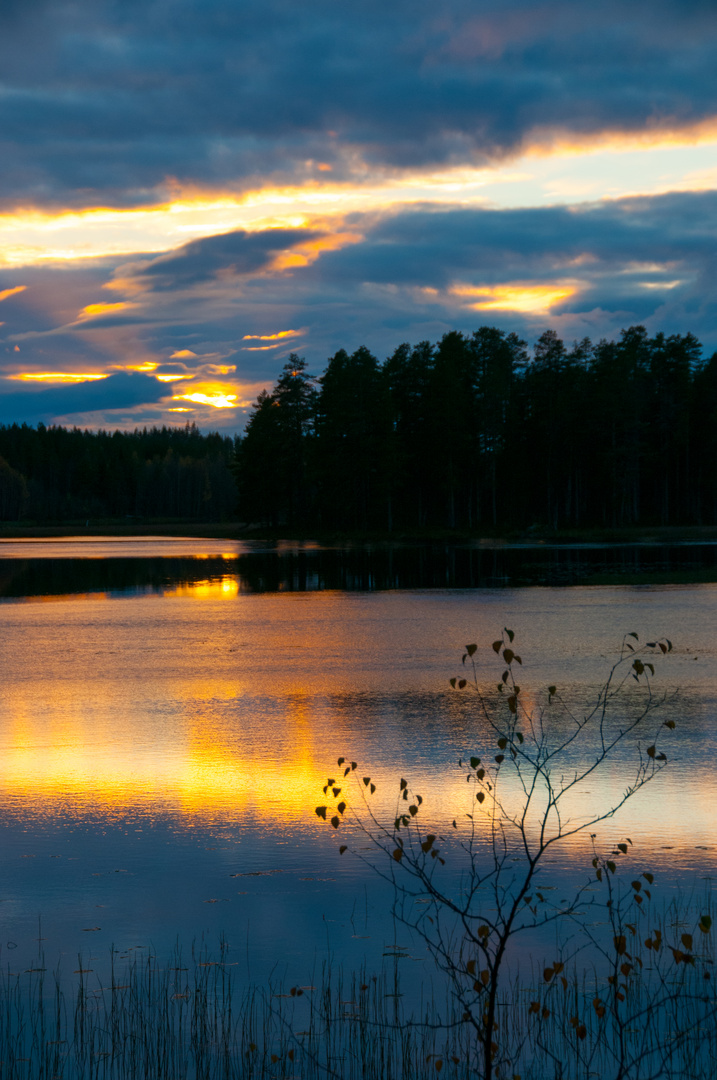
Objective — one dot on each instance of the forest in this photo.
(474, 432)
(52, 474)
(478, 432)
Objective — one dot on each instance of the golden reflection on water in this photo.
(236, 714)
(224, 588)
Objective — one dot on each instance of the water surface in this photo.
(163, 744)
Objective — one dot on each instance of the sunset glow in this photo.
(525, 298)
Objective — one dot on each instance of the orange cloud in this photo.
(529, 299)
(273, 337)
(91, 311)
(57, 376)
(217, 398)
(12, 292)
(308, 253)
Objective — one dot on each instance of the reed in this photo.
(195, 1019)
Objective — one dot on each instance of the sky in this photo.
(190, 191)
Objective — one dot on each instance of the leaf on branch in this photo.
(649, 878)
(366, 781)
(428, 843)
(508, 655)
(471, 649)
(500, 758)
(373, 788)
(342, 849)
(404, 784)
(341, 807)
(480, 797)
(462, 683)
(651, 751)
(552, 691)
(336, 791)
(336, 821)
(497, 646)
(471, 967)
(397, 854)
(670, 724)
(705, 923)
(548, 974)
(633, 634)
(413, 810)
(321, 812)
(510, 634)
(341, 761)
(622, 848)
(453, 683)
(502, 743)
(475, 762)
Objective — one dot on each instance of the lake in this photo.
(170, 709)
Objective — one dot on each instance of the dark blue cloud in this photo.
(237, 253)
(123, 390)
(103, 101)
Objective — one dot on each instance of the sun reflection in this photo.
(225, 588)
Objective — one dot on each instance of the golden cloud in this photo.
(528, 299)
(12, 292)
(58, 377)
(92, 311)
(273, 337)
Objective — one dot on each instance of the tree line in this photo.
(475, 431)
(55, 474)
(478, 431)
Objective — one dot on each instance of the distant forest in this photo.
(476, 432)
(52, 474)
(471, 433)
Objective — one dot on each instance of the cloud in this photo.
(123, 390)
(206, 327)
(106, 103)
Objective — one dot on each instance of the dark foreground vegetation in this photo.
(471, 434)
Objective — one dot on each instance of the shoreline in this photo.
(662, 534)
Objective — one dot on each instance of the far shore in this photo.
(659, 534)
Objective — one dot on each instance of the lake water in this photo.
(170, 709)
